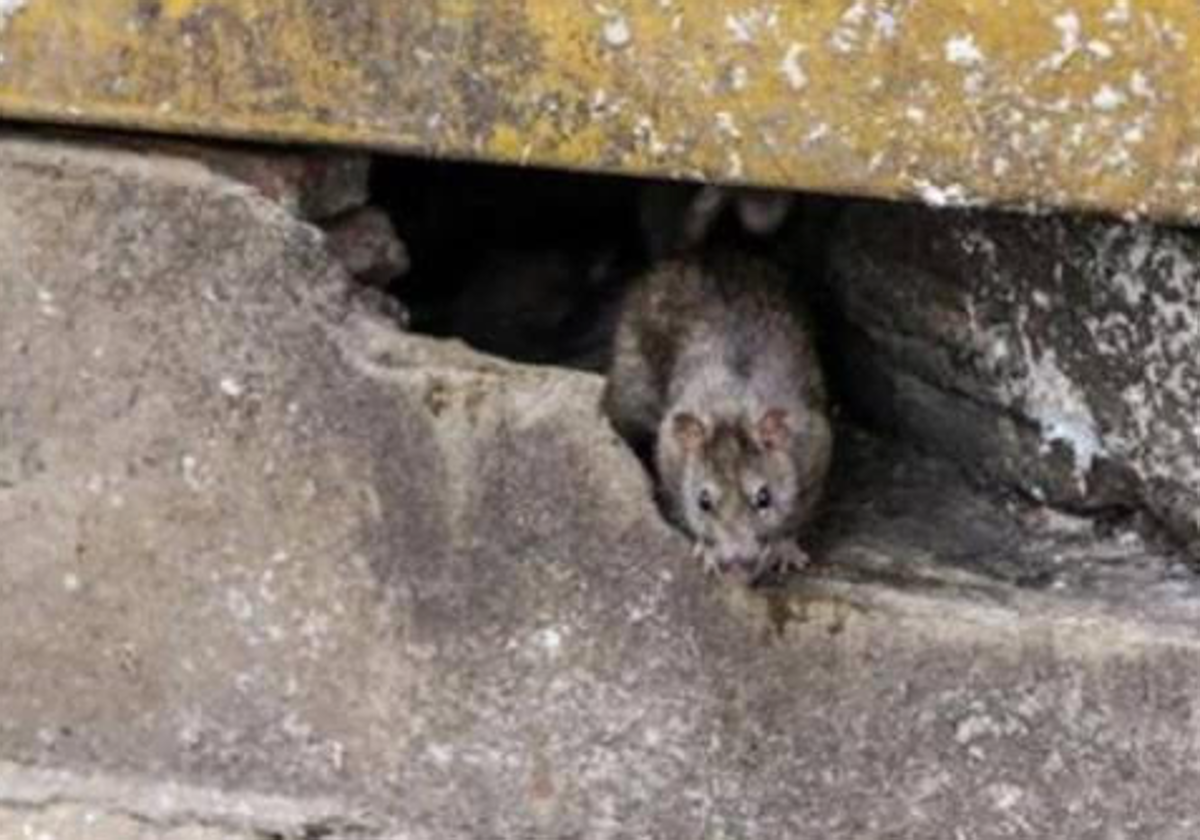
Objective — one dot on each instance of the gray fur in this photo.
(719, 337)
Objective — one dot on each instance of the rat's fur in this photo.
(714, 374)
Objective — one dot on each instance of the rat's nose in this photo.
(745, 562)
(744, 569)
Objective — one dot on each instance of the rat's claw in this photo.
(709, 562)
(793, 558)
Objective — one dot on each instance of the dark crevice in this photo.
(532, 265)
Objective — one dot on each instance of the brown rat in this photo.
(715, 375)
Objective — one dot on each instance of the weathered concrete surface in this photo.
(1062, 355)
(255, 540)
(38, 804)
(315, 184)
(64, 822)
(1085, 103)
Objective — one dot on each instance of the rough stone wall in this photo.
(1061, 355)
(283, 571)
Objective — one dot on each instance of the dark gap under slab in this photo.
(501, 257)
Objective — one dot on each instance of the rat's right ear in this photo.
(762, 212)
(688, 430)
(676, 218)
(702, 214)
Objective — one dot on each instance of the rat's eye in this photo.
(762, 499)
(705, 500)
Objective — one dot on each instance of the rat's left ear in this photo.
(773, 428)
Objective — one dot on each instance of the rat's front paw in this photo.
(707, 560)
(791, 558)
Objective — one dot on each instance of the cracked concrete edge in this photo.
(917, 595)
(170, 807)
(93, 156)
(989, 612)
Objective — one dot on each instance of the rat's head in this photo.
(737, 486)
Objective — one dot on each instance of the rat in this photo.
(714, 377)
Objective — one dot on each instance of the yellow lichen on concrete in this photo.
(1082, 103)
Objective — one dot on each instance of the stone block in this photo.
(1059, 355)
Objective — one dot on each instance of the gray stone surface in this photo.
(316, 184)
(1059, 354)
(39, 804)
(65, 822)
(257, 542)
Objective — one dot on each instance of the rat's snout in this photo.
(738, 566)
(745, 556)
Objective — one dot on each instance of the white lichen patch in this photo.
(1039, 386)
(963, 51)
(1070, 40)
(817, 133)
(746, 27)
(1140, 86)
(231, 387)
(727, 125)
(549, 639)
(9, 8)
(950, 195)
(190, 468)
(1057, 403)
(1061, 408)
(1119, 13)
(47, 304)
(847, 36)
(647, 137)
(1170, 342)
(616, 31)
(862, 25)
(793, 71)
(1108, 98)
(886, 24)
(735, 167)
(1146, 325)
